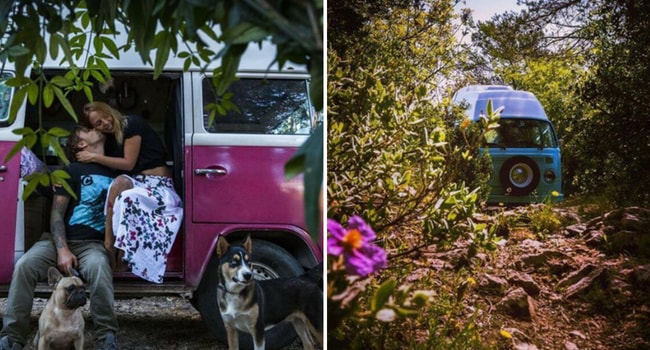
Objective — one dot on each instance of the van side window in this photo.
(5, 98)
(266, 106)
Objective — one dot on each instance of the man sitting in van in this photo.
(76, 243)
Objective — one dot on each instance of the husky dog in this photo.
(252, 306)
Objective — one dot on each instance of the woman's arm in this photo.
(131, 152)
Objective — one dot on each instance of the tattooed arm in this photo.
(65, 258)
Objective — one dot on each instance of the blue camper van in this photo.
(525, 150)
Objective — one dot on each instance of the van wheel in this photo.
(520, 174)
(270, 261)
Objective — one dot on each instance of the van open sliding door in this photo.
(12, 243)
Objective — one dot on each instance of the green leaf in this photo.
(67, 51)
(316, 84)
(97, 75)
(32, 183)
(309, 160)
(40, 49)
(187, 63)
(162, 42)
(404, 312)
(110, 45)
(55, 42)
(230, 63)
(44, 179)
(14, 150)
(98, 44)
(23, 131)
(222, 111)
(65, 103)
(61, 174)
(89, 93)
(32, 94)
(54, 143)
(210, 33)
(18, 51)
(58, 132)
(243, 33)
(86, 73)
(17, 102)
(48, 95)
(103, 67)
(58, 177)
(61, 81)
(30, 140)
(18, 81)
(383, 294)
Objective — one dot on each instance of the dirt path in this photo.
(150, 324)
(585, 286)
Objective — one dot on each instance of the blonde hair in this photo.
(119, 120)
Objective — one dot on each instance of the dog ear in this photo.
(248, 244)
(222, 246)
(53, 276)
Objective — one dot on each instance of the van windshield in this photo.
(522, 133)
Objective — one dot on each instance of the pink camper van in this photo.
(229, 172)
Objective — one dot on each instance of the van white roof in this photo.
(256, 58)
(516, 103)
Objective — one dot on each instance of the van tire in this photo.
(273, 261)
(524, 166)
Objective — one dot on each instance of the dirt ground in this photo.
(150, 323)
(584, 286)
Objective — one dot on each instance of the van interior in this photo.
(131, 92)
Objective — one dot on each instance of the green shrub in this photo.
(439, 321)
(393, 159)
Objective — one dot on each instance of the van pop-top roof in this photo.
(517, 103)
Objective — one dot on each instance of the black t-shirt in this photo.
(84, 218)
(152, 151)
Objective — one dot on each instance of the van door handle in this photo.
(206, 172)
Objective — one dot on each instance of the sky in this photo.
(485, 9)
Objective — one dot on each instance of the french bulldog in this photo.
(61, 325)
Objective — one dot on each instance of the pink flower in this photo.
(360, 256)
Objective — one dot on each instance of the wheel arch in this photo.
(297, 246)
(295, 241)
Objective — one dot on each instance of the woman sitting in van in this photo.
(143, 211)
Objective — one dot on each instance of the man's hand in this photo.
(66, 260)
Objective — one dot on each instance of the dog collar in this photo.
(222, 287)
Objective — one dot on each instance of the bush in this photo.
(396, 158)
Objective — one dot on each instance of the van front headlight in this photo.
(549, 175)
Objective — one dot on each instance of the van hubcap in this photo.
(263, 272)
(521, 175)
